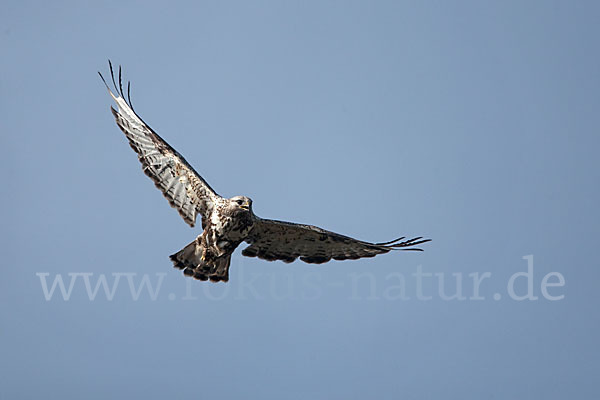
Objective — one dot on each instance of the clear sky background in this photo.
(472, 123)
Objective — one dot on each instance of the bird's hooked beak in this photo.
(246, 206)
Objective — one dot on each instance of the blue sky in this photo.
(472, 123)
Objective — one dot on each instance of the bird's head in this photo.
(241, 203)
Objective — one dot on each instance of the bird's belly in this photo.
(236, 232)
(228, 234)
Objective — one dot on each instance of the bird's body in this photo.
(208, 257)
(226, 223)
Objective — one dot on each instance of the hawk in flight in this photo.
(226, 223)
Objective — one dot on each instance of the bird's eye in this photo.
(240, 202)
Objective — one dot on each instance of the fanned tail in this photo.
(189, 259)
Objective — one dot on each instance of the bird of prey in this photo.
(226, 223)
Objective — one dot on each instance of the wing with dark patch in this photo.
(183, 187)
(278, 240)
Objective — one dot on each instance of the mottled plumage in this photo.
(226, 223)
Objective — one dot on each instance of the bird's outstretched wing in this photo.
(278, 240)
(180, 184)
